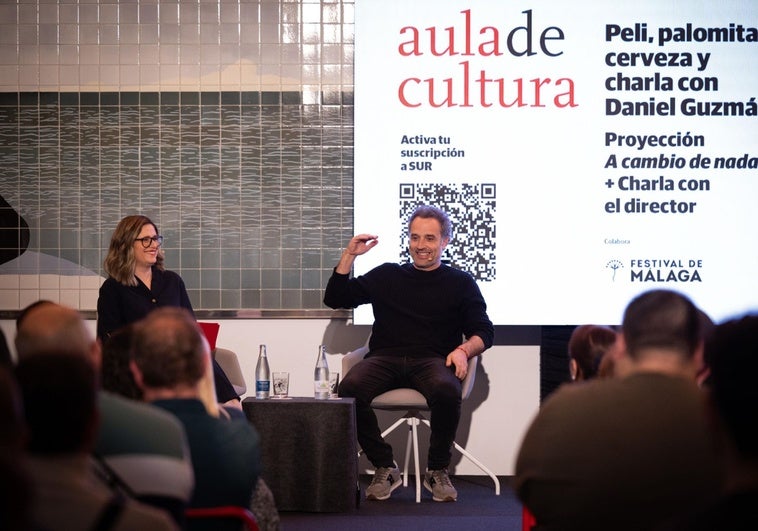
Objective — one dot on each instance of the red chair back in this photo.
(211, 332)
(527, 519)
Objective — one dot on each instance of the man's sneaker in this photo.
(385, 481)
(438, 483)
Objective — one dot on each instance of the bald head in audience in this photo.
(662, 331)
(47, 327)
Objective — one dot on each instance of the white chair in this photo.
(413, 403)
(230, 364)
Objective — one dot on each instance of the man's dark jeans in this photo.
(375, 375)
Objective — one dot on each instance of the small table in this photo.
(309, 452)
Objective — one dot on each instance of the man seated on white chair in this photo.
(421, 311)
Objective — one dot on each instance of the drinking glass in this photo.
(281, 381)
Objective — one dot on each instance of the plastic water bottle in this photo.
(262, 374)
(321, 375)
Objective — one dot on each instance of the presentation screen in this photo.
(585, 151)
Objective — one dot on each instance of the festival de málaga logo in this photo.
(614, 265)
(664, 270)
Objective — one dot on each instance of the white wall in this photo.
(504, 399)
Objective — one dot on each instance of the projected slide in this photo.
(586, 151)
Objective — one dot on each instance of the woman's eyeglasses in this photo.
(147, 241)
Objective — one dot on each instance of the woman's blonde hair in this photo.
(120, 261)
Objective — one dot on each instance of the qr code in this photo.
(471, 208)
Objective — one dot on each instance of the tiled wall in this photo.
(228, 122)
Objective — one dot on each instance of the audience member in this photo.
(116, 375)
(262, 505)
(13, 432)
(703, 374)
(142, 446)
(118, 378)
(27, 309)
(587, 347)
(15, 483)
(607, 366)
(60, 402)
(423, 310)
(629, 452)
(169, 359)
(207, 388)
(138, 282)
(733, 409)
(5, 353)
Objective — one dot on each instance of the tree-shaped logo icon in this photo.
(615, 265)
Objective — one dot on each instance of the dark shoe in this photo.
(438, 483)
(385, 481)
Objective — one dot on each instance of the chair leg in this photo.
(414, 430)
(397, 423)
(408, 446)
(412, 444)
(481, 467)
(474, 460)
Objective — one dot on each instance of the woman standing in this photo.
(138, 283)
